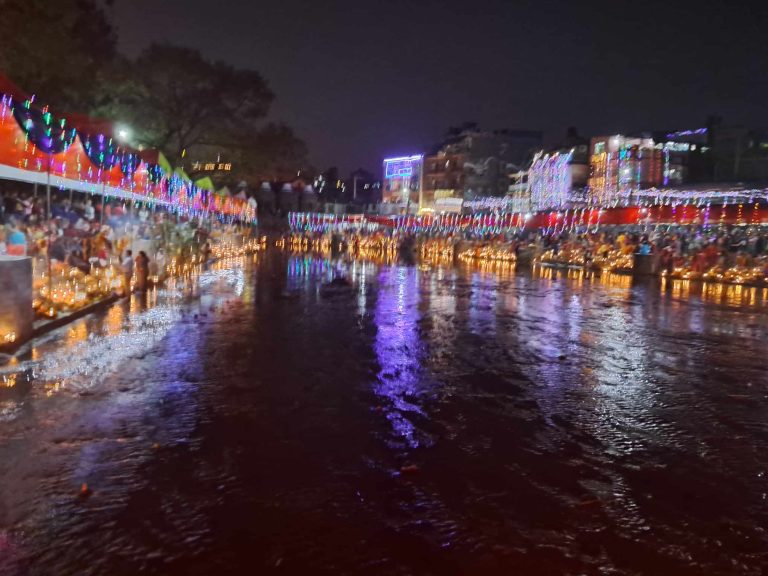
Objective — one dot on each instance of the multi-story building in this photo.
(519, 193)
(620, 165)
(753, 163)
(550, 180)
(402, 183)
(738, 153)
(686, 155)
(471, 163)
(443, 178)
(364, 187)
(557, 176)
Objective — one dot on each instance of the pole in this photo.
(48, 193)
(48, 262)
(421, 182)
(48, 190)
(50, 237)
(103, 195)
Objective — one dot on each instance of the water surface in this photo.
(430, 420)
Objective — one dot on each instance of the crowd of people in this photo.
(76, 234)
(738, 253)
(686, 248)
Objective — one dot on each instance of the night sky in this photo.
(360, 80)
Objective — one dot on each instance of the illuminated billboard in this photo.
(402, 179)
(400, 167)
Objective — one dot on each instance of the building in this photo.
(519, 193)
(753, 163)
(738, 153)
(620, 165)
(472, 163)
(444, 178)
(330, 187)
(714, 153)
(686, 154)
(559, 175)
(402, 183)
(364, 187)
(550, 180)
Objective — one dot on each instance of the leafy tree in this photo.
(55, 49)
(273, 153)
(187, 101)
(175, 100)
(195, 110)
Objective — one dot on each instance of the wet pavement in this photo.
(427, 420)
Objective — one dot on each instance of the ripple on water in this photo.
(440, 422)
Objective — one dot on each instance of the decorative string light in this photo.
(95, 164)
(549, 180)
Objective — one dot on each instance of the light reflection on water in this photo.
(559, 421)
(724, 294)
(76, 357)
(398, 349)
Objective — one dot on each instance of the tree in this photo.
(55, 49)
(188, 101)
(176, 100)
(195, 110)
(172, 98)
(272, 153)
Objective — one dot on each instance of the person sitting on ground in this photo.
(76, 260)
(17, 241)
(644, 249)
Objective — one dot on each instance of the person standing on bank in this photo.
(142, 271)
(127, 266)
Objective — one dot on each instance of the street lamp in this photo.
(123, 134)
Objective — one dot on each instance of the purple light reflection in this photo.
(303, 270)
(482, 305)
(398, 349)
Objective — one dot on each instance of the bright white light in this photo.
(123, 133)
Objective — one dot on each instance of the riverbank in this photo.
(65, 308)
(736, 270)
